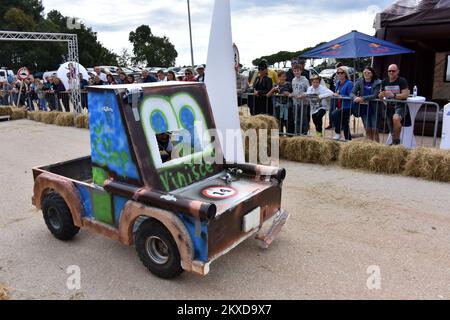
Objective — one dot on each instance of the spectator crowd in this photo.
(296, 97)
(50, 93)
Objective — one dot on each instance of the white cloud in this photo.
(257, 30)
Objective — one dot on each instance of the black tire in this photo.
(158, 250)
(58, 218)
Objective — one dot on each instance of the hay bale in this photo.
(86, 121)
(49, 117)
(258, 123)
(283, 145)
(271, 122)
(37, 115)
(431, 164)
(79, 121)
(334, 148)
(309, 150)
(18, 113)
(65, 119)
(5, 111)
(83, 121)
(3, 292)
(372, 156)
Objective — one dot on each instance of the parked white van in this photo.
(3, 75)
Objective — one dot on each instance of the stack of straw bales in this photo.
(82, 121)
(66, 119)
(372, 156)
(18, 113)
(13, 113)
(258, 123)
(49, 117)
(309, 150)
(5, 111)
(431, 164)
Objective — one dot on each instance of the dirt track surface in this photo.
(342, 222)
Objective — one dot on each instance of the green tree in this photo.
(150, 49)
(16, 20)
(124, 58)
(28, 15)
(283, 56)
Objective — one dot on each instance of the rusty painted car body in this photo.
(207, 207)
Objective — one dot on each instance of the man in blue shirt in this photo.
(147, 77)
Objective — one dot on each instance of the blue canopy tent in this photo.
(355, 45)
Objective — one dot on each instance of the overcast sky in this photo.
(260, 27)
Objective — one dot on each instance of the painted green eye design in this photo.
(187, 117)
(181, 117)
(158, 121)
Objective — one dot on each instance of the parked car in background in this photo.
(326, 74)
(313, 71)
(109, 69)
(3, 75)
(50, 74)
(174, 69)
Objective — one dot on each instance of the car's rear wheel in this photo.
(158, 250)
(57, 217)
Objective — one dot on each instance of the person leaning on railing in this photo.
(366, 89)
(341, 114)
(300, 106)
(261, 86)
(317, 95)
(59, 90)
(397, 113)
(281, 93)
(241, 84)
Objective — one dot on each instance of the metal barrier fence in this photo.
(421, 120)
(58, 101)
(373, 119)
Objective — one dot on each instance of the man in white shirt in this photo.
(201, 73)
(100, 74)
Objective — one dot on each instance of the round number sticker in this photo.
(219, 192)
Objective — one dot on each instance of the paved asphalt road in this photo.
(344, 224)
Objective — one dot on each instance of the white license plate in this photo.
(252, 220)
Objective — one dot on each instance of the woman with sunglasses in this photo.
(365, 90)
(341, 114)
(189, 76)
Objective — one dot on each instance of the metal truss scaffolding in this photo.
(72, 44)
